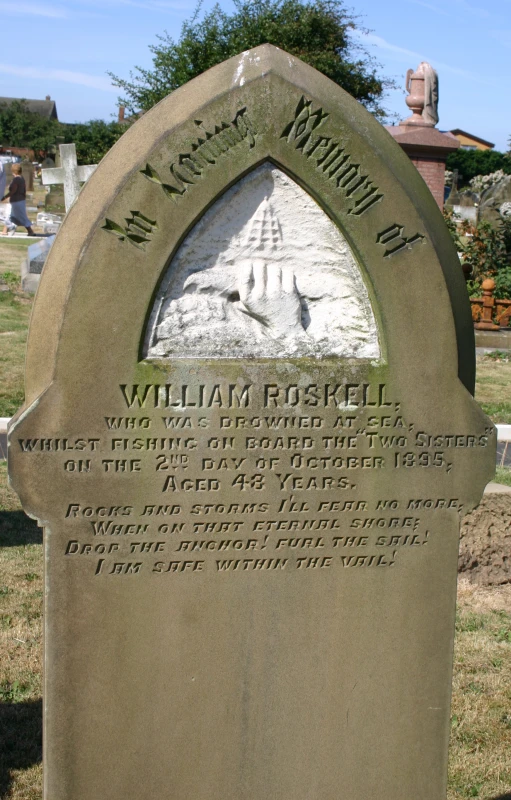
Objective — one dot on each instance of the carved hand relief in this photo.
(265, 273)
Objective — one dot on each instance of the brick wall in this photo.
(432, 170)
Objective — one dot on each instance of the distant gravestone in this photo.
(54, 198)
(32, 265)
(250, 436)
(54, 202)
(50, 223)
(69, 174)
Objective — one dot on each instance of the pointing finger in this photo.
(289, 282)
(245, 280)
(260, 278)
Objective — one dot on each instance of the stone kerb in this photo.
(274, 679)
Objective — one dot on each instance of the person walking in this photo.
(3, 179)
(17, 195)
(5, 213)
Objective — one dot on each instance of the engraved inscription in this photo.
(295, 461)
(330, 158)
(205, 151)
(393, 240)
(138, 229)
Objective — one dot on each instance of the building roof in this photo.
(45, 108)
(458, 131)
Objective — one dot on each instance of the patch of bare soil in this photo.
(485, 546)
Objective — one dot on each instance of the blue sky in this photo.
(64, 48)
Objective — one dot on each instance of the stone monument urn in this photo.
(415, 98)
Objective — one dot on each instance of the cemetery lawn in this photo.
(493, 388)
(479, 764)
(15, 310)
(21, 597)
(12, 253)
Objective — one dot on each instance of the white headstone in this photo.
(70, 174)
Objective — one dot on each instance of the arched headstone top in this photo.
(166, 171)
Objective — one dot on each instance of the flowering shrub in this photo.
(481, 183)
(486, 249)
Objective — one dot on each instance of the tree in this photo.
(93, 139)
(20, 127)
(470, 163)
(320, 32)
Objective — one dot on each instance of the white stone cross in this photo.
(70, 174)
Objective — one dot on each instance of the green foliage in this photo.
(470, 163)
(499, 355)
(500, 413)
(503, 475)
(15, 691)
(486, 248)
(10, 279)
(20, 127)
(470, 622)
(93, 139)
(320, 32)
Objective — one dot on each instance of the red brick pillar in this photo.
(427, 149)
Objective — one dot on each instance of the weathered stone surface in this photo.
(206, 305)
(250, 559)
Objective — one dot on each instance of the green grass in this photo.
(12, 253)
(21, 594)
(15, 310)
(503, 475)
(493, 388)
(479, 763)
(499, 413)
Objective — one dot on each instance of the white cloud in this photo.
(33, 9)
(463, 6)
(371, 38)
(432, 8)
(148, 5)
(67, 76)
(403, 54)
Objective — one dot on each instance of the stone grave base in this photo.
(496, 340)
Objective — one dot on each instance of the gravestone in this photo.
(250, 436)
(69, 174)
(54, 202)
(50, 223)
(32, 265)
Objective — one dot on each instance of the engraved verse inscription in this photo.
(244, 478)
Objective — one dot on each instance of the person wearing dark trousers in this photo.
(17, 195)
